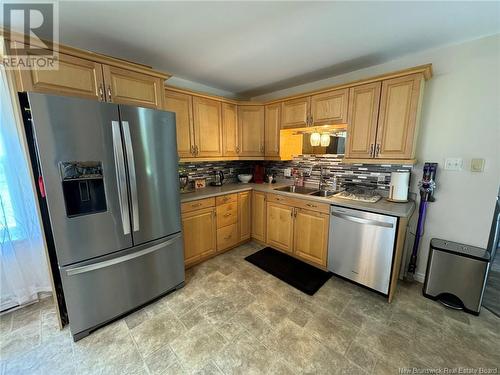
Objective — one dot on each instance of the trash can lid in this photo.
(461, 249)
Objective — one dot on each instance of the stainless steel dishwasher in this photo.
(361, 246)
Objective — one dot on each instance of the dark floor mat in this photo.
(300, 275)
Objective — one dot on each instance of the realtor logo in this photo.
(31, 35)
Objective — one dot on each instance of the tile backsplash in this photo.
(231, 169)
(376, 176)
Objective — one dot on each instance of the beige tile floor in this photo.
(233, 318)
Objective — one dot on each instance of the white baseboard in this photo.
(420, 277)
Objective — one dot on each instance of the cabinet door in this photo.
(397, 123)
(182, 105)
(330, 107)
(230, 130)
(280, 226)
(295, 113)
(207, 127)
(251, 130)
(362, 120)
(259, 216)
(245, 215)
(199, 232)
(311, 236)
(127, 87)
(74, 77)
(272, 130)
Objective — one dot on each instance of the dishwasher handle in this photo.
(362, 220)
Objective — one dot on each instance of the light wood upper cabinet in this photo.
(182, 105)
(272, 130)
(230, 130)
(199, 232)
(280, 226)
(74, 77)
(329, 108)
(127, 87)
(207, 127)
(259, 216)
(362, 120)
(251, 130)
(311, 236)
(295, 113)
(245, 214)
(398, 118)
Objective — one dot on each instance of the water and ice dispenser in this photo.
(83, 187)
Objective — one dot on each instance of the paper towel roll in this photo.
(398, 189)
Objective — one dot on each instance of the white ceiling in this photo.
(251, 48)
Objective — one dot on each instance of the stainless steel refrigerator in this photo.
(110, 182)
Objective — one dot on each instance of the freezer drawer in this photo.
(361, 247)
(99, 291)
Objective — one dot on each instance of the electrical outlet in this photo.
(231, 170)
(453, 164)
(477, 165)
(287, 172)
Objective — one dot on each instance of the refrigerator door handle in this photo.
(125, 258)
(132, 176)
(121, 178)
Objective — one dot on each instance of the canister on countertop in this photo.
(398, 188)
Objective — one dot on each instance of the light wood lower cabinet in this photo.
(199, 231)
(259, 216)
(280, 226)
(245, 215)
(298, 227)
(311, 235)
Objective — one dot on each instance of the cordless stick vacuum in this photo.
(426, 186)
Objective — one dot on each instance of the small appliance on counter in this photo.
(184, 184)
(456, 275)
(218, 178)
(258, 174)
(398, 188)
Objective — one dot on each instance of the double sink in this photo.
(306, 191)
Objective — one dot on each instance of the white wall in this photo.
(460, 118)
(195, 86)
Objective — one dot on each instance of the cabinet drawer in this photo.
(227, 214)
(229, 198)
(281, 199)
(227, 237)
(197, 205)
(313, 206)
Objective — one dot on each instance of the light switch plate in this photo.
(477, 165)
(287, 172)
(453, 164)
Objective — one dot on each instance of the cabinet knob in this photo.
(377, 150)
(372, 151)
(237, 149)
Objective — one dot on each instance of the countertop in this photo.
(381, 207)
